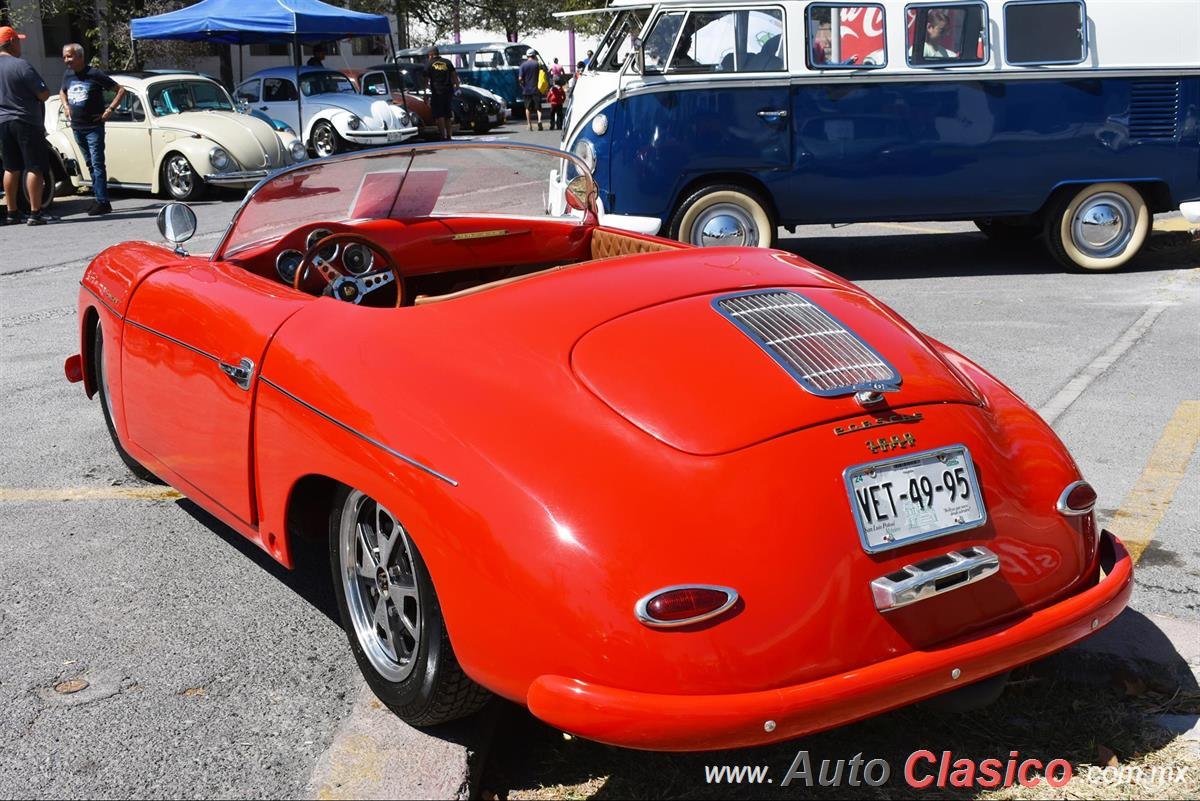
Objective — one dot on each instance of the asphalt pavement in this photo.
(147, 651)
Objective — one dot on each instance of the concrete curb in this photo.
(376, 756)
(1169, 642)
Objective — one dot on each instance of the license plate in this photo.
(492, 118)
(913, 498)
(393, 136)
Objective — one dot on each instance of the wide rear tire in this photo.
(392, 617)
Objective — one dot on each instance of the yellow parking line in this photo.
(20, 495)
(1143, 509)
(910, 228)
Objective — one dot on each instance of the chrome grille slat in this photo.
(824, 356)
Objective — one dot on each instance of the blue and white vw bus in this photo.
(717, 122)
(490, 65)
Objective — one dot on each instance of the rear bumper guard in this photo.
(934, 576)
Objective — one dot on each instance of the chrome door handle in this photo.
(934, 576)
(776, 114)
(239, 373)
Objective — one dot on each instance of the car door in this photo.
(128, 155)
(279, 101)
(195, 336)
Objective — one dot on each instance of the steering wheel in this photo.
(350, 288)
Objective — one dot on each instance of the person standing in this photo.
(556, 71)
(318, 56)
(443, 81)
(556, 98)
(528, 78)
(22, 129)
(82, 96)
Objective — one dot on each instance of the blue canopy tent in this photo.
(241, 22)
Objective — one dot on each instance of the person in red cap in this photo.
(22, 131)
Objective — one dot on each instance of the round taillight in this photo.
(684, 604)
(1077, 499)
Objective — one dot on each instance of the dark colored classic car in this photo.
(474, 109)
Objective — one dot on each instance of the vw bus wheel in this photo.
(180, 180)
(1098, 228)
(325, 140)
(392, 617)
(724, 214)
(100, 372)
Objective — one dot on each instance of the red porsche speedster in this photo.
(667, 497)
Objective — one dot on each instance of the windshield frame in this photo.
(158, 87)
(412, 151)
(613, 38)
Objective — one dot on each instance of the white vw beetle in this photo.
(335, 116)
(175, 133)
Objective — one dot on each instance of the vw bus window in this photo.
(618, 43)
(951, 35)
(846, 37)
(745, 40)
(1045, 33)
(660, 42)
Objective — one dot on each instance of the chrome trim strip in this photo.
(969, 565)
(103, 302)
(407, 459)
(178, 342)
(1061, 504)
(643, 616)
(241, 177)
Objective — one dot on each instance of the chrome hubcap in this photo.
(179, 175)
(323, 141)
(724, 224)
(380, 585)
(1103, 225)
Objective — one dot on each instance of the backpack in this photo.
(543, 81)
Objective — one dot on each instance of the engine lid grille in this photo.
(825, 357)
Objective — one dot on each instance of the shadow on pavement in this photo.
(952, 254)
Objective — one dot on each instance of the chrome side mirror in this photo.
(579, 193)
(639, 56)
(177, 224)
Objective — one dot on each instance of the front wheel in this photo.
(180, 180)
(325, 140)
(1100, 227)
(100, 371)
(724, 214)
(392, 617)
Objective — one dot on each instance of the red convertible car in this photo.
(667, 497)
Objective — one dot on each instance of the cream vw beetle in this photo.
(176, 133)
(336, 117)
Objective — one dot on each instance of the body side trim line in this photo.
(103, 302)
(178, 342)
(407, 459)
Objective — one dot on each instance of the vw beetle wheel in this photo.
(180, 180)
(100, 371)
(392, 617)
(724, 214)
(1098, 228)
(325, 140)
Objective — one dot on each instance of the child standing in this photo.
(557, 97)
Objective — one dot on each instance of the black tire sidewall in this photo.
(412, 697)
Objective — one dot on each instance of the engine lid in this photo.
(715, 373)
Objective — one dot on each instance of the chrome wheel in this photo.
(380, 586)
(724, 224)
(324, 139)
(181, 178)
(1103, 225)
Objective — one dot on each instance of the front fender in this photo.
(194, 147)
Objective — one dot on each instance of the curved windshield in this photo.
(405, 183)
(177, 97)
(325, 83)
(617, 44)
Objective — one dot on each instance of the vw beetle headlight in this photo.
(586, 151)
(218, 158)
(299, 152)
(355, 123)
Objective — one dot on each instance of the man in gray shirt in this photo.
(22, 130)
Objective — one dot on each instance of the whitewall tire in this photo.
(1099, 227)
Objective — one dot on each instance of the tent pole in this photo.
(299, 91)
